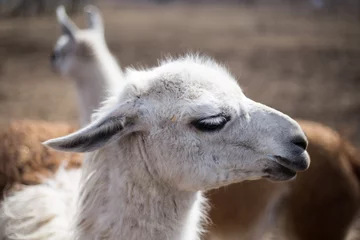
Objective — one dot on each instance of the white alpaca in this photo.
(58, 192)
(175, 130)
(83, 55)
(244, 225)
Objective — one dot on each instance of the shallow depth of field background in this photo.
(301, 57)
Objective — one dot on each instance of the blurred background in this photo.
(299, 56)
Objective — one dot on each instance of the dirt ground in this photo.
(304, 63)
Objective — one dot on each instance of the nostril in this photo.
(300, 142)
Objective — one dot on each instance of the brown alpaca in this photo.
(24, 160)
(320, 203)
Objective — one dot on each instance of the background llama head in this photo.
(76, 48)
(194, 128)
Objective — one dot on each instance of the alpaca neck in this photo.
(100, 75)
(122, 200)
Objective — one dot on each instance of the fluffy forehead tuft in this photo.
(183, 75)
(192, 85)
(195, 64)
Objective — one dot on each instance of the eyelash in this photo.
(211, 124)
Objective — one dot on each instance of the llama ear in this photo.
(95, 20)
(68, 27)
(96, 135)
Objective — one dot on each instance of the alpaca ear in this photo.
(97, 134)
(68, 27)
(95, 20)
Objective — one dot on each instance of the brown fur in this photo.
(24, 160)
(320, 204)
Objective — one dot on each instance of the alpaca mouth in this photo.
(283, 169)
(298, 163)
(278, 172)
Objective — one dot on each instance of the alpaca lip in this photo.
(283, 169)
(299, 163)
(279, 173)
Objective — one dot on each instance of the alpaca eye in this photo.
(211, 124)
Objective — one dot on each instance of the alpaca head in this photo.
(76, 48)
(198, 129)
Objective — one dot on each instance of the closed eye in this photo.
(211, 124)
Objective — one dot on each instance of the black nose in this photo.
(300, 141)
